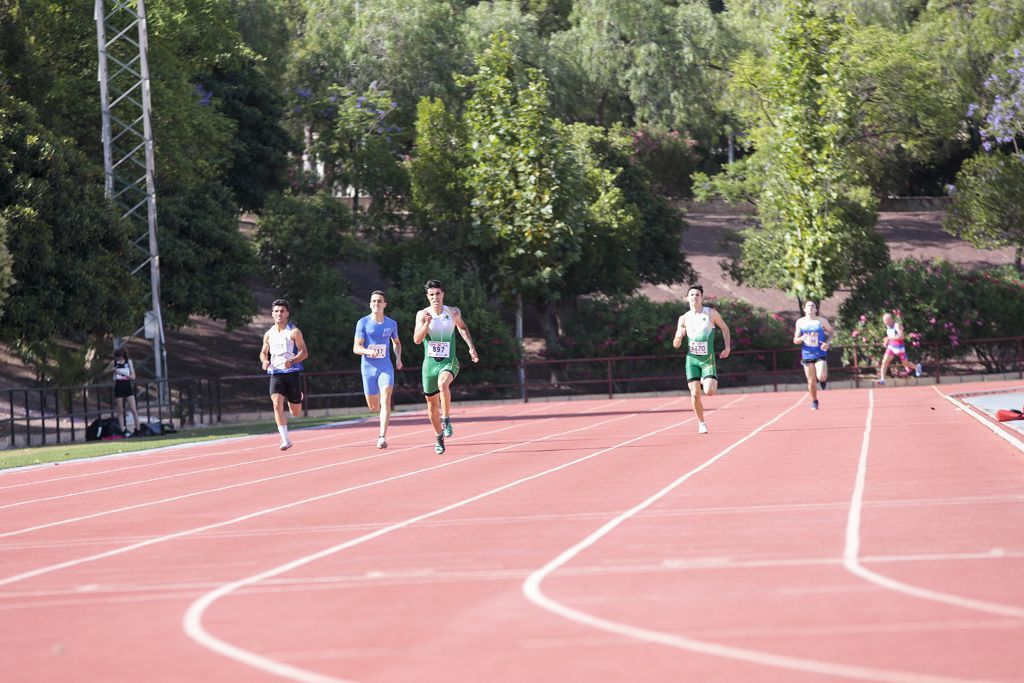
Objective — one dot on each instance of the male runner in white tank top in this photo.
(282, 354)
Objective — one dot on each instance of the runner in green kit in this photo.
(698, 324)
(435, 329)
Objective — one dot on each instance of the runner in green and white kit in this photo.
(435, 329)
(698, 325)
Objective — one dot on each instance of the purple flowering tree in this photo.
(988, 197)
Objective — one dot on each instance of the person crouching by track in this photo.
(435, 329)
(375, 336)
(282, 354)
(812, 333)
(698, 324)
(895, 347)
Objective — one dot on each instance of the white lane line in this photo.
(534, 593)
(193, 618)
(266, 511)
(193, 494)
(348, 424)
(354, 442)
(1000, 432)
(851, 552)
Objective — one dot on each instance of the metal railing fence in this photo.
(53, 415)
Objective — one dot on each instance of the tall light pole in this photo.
(128, 161)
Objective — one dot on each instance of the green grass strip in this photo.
(38, 455)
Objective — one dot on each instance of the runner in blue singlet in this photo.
(375, 335)
(812, 334)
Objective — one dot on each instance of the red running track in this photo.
(881, 538)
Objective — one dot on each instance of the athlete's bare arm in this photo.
(677, 341)
(396, 343)
(830, 331)
(265, 351)
(716, 318)
(423, 319)
(798, 336)
(301, 353)
(899, 330)
(464, 331)
(359, 347)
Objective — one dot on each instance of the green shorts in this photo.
(432, 373)
(700, 368)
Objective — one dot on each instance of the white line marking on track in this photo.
(852, 549)
(192, 494)
(349, 424)
(532, 590)
(1002, 433)
(193, 618)
(292, 455)
(259, 513)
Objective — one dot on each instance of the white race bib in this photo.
(378, 350)
(278, 347)
(699, 348)
(438, 349)
(811, 339)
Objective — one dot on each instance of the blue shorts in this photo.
(375, 377)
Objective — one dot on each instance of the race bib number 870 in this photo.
(438, 349)
(699, 348)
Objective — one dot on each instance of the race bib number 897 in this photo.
(699, 348)
(438, 349)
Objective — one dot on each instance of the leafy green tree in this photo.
(440, 197)
(260, 145)
(63, 266)
(520, 184)
(988, 202)
(301, 240)
(815, 215)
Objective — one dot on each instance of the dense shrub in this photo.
(943, 308)
(636, 326)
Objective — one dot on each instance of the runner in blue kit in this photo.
(812, 334)
(376, 335)
(282, 354)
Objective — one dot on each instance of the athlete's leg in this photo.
(695, 400)
(119, 409)
(444, 383)
(385, 404)
(280, 417)
(373, 402)
(821, 367)
(434, 412)
(884, 368)
(709, 385)
(812, 382)
(134, 410)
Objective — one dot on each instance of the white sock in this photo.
(283, 431)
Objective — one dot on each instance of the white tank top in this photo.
(282, 349)
(441, 326)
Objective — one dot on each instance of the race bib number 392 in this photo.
(699, 348)
(438, 349)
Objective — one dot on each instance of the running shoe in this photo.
(814, 405)
(439, 445)
(880, 382)
(702, 427)
(382, 442)
(285, 445)
(918, 370)
(446, 427)
(823, 385)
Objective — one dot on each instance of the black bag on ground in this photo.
(156, 428)
(102, 427)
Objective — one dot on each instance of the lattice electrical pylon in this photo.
(128, 144)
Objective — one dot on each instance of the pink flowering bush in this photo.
(943, 307)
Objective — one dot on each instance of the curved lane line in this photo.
(193, 619)
(851, 552)
(534, 593)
